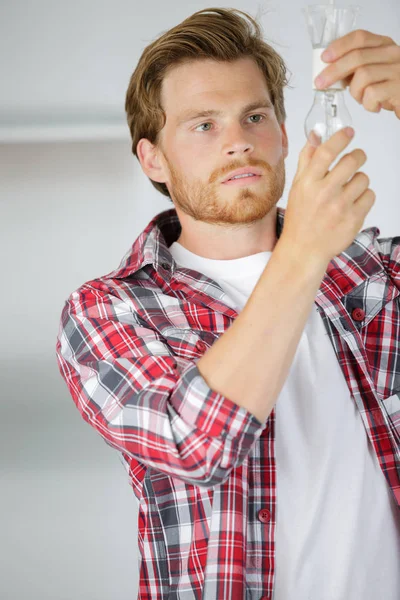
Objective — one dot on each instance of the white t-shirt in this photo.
(337, 524)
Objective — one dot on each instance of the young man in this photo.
(243, 358)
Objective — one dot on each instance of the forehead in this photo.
(199, 82)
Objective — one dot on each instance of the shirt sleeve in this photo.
(127, 384)
(389, 248)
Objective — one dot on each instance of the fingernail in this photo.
(349, 132)
(327, 55)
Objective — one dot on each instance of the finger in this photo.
(358, 59)
(363, 204)
(379, 93)
(345, 168)
(327, 153)
(369, 75)
(313, 141)
(359, 38)
(355, 187)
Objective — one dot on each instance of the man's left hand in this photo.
(370, 65)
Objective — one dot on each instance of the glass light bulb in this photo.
(325, 24)
(328, 114)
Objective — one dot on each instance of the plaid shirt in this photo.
(202, 467)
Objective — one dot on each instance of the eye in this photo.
(262, 116)
(255, 122)
(202, 126)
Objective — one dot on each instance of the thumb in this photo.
(307, 152)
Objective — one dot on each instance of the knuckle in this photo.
(396, 52)
(354, 160)
(336, 210)
(359, 56)
(326, 154)
(372, 94)
(390, 45)
(368, 196)
(307, 182)
(360, 156)
(364, 73)
(361, 37)
(365, 177)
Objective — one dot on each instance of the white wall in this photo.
(69, 212)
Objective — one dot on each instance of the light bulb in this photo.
(328, 114)
(325, 24)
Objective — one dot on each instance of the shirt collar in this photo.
(358, 262)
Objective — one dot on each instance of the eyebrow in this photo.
(190, 115)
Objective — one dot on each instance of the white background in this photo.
(70, 208)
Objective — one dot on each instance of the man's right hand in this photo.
(325, 210)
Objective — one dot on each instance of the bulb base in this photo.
(318, 66)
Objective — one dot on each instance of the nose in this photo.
(237, 141)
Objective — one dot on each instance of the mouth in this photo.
(243, 181)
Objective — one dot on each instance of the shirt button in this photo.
(201, 346)
(264, 515)
(358, 314)
(166, 266)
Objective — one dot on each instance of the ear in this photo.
(150, 160)
(285, 141)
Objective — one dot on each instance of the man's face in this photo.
(198, 153)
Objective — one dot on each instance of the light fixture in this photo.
(325, 24)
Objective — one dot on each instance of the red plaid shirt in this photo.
(202, 467)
